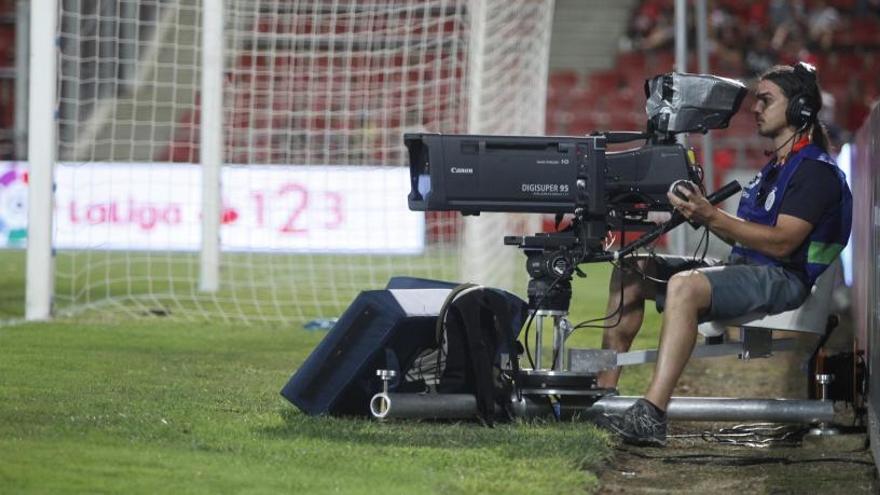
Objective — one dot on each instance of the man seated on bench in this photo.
(793, 220)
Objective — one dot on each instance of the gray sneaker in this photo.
(640, 424)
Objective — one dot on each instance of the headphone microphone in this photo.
(768, 153)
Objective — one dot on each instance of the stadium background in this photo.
(329, 83)
(594, 71)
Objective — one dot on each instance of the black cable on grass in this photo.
(741, 461)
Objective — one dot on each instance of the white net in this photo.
(317, 96)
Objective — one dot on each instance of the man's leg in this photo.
(688, 294)
(627, 291)
(644, 423)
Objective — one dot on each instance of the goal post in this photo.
(211, 138)
(256, 173)
(509, 54)
(41, 118)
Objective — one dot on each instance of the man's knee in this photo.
(690, 288)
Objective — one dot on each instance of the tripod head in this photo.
(551, 259)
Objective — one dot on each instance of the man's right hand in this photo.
(695, 208)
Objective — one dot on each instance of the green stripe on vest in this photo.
(823, 253)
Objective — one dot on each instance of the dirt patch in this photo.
(691, 464)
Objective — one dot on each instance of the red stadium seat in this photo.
(845, 5)
(561, 83)
(7, 45)
(660, 61)
(866, 32)
(632, 60)
(604, 82)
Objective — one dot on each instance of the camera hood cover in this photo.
(680, 102)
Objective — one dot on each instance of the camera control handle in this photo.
(716, 197)
(677, 219)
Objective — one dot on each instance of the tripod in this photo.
(549, 298)
(550, 262)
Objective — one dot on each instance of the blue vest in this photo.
(828, 237)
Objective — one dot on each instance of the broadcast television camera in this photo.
(603, 190)
(573, 174)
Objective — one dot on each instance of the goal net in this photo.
(317, 95)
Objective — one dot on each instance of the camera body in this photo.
(473, 173)
(547, 174)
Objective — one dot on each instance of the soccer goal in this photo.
(243, 160)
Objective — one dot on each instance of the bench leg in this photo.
(815, 363)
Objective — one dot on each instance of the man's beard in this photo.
(770, 133)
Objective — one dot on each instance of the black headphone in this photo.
(801, 111)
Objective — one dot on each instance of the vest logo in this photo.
(771, 198)
(751, 186)
(460, 170)
(754, 182)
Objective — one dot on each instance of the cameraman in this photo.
(793, 220)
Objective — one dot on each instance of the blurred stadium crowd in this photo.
(7, 79)
(840, 37)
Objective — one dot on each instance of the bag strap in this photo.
(481, 355)
(503, 325)
(444, 309)
(440, 326)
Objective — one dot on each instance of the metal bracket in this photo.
(756, 343)
(591, 360)
(595, 360)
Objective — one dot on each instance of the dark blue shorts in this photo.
(738, 287)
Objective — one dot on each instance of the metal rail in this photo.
(464, 406)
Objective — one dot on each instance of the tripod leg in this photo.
(561, 330)
(539, 338)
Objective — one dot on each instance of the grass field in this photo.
(157, 405)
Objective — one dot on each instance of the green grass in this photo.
(157, 405)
